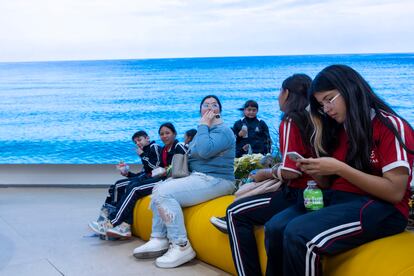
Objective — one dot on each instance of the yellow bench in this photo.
(388, 256)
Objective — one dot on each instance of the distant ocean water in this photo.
(85, 112)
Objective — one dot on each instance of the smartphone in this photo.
(294, 156)
(217, 116)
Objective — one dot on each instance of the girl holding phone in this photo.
(366, 156)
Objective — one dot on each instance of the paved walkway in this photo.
(43, 231)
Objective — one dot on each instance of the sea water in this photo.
(85, 112)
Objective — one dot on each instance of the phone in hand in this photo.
(294, 156)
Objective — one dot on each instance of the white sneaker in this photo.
(220, 223)
(120, 231)
(100, 227)
(155, 247)
(176, 256)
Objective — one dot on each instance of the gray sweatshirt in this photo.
(212, 151)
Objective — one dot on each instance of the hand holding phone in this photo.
(294, 156)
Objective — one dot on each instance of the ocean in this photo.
(85, 112)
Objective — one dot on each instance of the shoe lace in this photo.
(124, 228)
(106, 224)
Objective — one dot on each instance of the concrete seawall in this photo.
(59, 175)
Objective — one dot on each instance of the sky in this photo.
(41, 30)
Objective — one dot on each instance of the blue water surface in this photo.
(84, 112)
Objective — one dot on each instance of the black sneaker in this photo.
(220, 223)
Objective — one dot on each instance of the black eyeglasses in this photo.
(212, 105)
(328, 104)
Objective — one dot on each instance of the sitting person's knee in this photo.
(294, 231)
(160, 192)
(274, 227)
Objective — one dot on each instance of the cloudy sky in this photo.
(113, 29)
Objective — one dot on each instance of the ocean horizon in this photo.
(85, 112)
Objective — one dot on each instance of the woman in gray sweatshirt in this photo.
(211, 160)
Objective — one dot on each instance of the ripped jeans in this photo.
(170, 195)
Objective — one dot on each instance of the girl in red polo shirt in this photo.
(366, 156)
(246, 213)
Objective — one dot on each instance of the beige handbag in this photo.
(257, 188)
(179, 165)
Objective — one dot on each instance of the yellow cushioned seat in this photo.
(388, 256)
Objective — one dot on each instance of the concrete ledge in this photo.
(48, 175)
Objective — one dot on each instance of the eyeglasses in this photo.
(328, 103)
(212, 105)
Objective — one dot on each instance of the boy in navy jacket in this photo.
(150, 154)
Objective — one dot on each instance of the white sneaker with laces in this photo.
(155, 247)
(120, 231)
(176, 256)
(100, 227)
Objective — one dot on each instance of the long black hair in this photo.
(359, 100)
(296, 103)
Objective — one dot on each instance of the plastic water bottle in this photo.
(123, 167)
(312, 197)
(249, 150)
(245, 129)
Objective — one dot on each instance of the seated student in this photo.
(367, 158)
(149, 152)
(189, 136)
(211, 160)
(252, 134)
(118, 222)
(245, 213)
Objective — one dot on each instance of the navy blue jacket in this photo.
(150, 157)
(258, 136)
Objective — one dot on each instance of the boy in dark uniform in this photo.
(252, 134)
(150, 154)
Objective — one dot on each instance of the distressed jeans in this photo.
(169, 196)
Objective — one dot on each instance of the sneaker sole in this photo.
(105, 238)
(150, 255)
(219, 226)
(96, 230)
(184, 260)
(117, 235)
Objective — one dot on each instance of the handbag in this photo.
(179, 165)
(257, 188)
